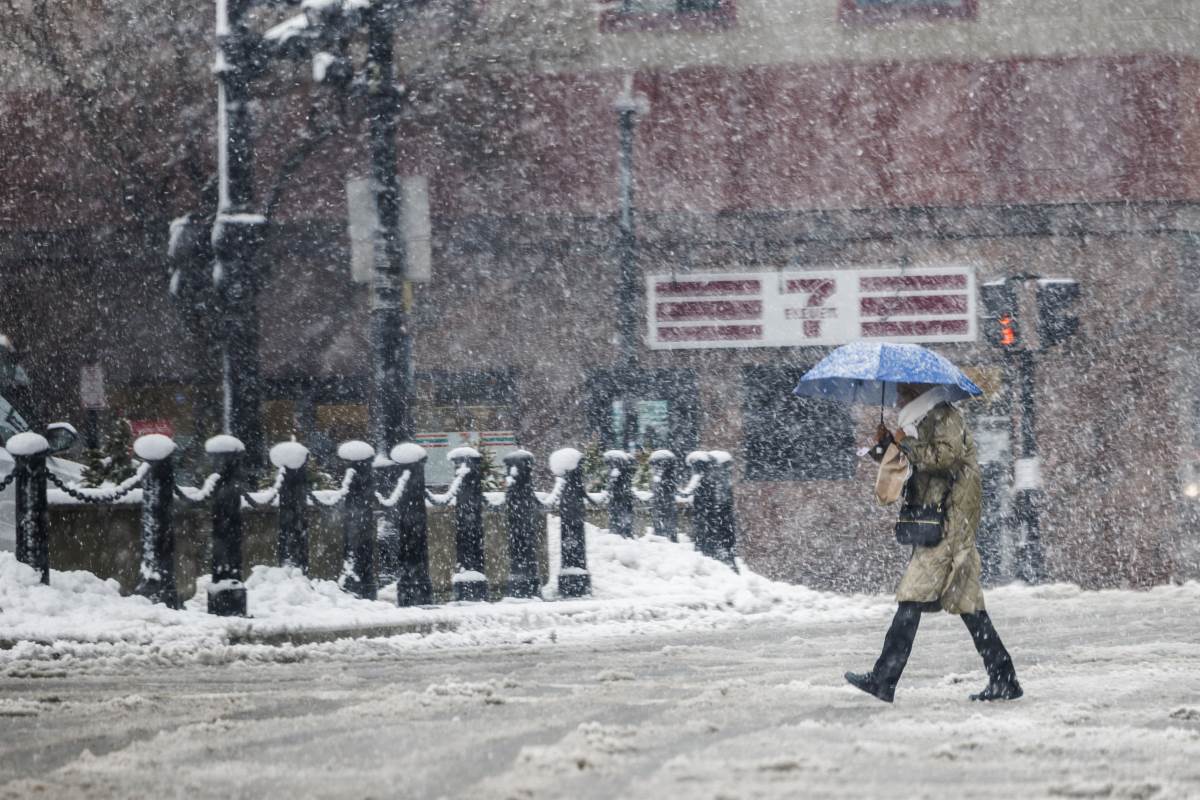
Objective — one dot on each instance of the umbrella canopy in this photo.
(868, 372)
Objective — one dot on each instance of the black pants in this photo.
(897, 645)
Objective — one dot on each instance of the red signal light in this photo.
(1008, 336)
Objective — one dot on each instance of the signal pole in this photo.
(1052, 324)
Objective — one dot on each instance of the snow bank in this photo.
(639, 585)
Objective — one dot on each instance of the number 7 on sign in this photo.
(818, 290)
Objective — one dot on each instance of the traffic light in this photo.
(1055, 297)
(1000, 315)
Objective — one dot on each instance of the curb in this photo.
(325, 635)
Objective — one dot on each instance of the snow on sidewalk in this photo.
(639, 585)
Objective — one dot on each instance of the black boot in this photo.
(866, 682)
(1002, 675)
(881, 681)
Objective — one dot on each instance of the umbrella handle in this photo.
(882, 392)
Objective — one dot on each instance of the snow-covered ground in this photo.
(642, 585)
(679, 679)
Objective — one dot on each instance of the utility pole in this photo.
(238, 229)
(628, 107)
(391, 345)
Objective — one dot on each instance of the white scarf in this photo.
(912, 414)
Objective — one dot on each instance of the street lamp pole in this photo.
(238, 229)
(391, 344)
(628, 106)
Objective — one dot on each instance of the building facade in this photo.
(783, 141)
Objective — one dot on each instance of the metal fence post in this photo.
(522, 508)
(722, 529)
(574, 580)
(157, 575)
(358, 522)
(226, 593)
(470, 582)
(621, 467)
(413, 586)
(291, 544)
(29, 451)
(664, 482)
(702, 502)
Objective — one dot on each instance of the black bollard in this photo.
(387, 525)
(702, 502)
(227, 593)
(522, 509)
(291, 544)
(156, 579)
(358, 522)
(722, 530)
(664, 482)
(29, 451)
(470, 582)
(574, 580)
(413, 586)
(621, 467)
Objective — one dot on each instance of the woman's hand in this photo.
(899, 435)
(881, 432)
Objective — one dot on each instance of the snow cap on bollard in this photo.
(27, 444)
(699, 457)
(153, 447)
(289, 455)
(720, 457)
(355, 450)
(462, 453)
(517, 455)
(408, 453)
(617, 457)
(565, 460)
(224, 443)
(661, 455)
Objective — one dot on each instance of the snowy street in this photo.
(741, 707)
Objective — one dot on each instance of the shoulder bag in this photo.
(918, 525)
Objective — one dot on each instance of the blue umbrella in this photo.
(867, 372)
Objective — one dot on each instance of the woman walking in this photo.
(933, 438)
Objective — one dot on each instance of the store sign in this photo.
(874, 11)
(811, 308)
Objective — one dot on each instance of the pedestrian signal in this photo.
(1000, 315)
(1055, 297)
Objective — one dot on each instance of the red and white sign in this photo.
(825, 307)
(145, 427)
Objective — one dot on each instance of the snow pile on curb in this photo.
(638, 585)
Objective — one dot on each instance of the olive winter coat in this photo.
(947, 573)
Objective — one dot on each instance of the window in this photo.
(668, 15)
(792, 438)
(667, 410)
